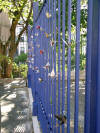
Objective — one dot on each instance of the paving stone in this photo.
(15, 112)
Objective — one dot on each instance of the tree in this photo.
(21, 58)
(20, 12)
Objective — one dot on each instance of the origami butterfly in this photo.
(52, 74)
(41, 51)
(48, 15)
(47, 35)
(38, 27)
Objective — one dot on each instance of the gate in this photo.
(65, 100)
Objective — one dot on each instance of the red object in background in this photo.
(38, 27)
(41, 51)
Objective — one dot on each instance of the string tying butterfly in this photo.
(68, 44)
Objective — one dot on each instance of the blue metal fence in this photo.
(58, 98)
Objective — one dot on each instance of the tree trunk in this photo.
(6, 70)
(9, 70)
(0, 73)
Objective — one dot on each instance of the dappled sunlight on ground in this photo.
(6, 108)
(15, 112)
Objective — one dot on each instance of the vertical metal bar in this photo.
(46, 59)
(42, 58)
(88, 69)
(39, 86)
(32, 78)
(29, 76)
(55, 64)
(38, 65)
(49, 109)
(98, 74)
(43, 45)
(69, 66)
(47, 54)
(59, 48)
(52, 7)
(63, 60)
(47, 70)
(77, 58)
(35, 10)
(95, 69)
(43, 89)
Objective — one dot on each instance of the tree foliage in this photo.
(20, 12)
(21, 58)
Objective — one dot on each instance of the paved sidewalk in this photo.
(15, 112)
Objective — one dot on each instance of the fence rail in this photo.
(59, 101)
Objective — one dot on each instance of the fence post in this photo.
(35, 104)
(29, 75)
(92, 106)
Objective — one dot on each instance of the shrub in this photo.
(19, 70)
(21, 58)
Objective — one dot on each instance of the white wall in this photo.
(22, 44)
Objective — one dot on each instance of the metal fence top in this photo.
(45, 1)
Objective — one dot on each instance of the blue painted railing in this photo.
(50, 79)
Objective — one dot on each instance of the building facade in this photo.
(23, 45)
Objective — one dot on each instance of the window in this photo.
(21, 50)
(20, 29)
(22, 39)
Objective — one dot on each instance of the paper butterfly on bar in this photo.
(37, 71)
(48, 15)
(38, 46)
(32, 60)
(52, 42)
(38, 27)
(47, 66)
(52, 74)
(35, 68)
(36, 34)
(41, 51)
(41, 29)
(47, 35)
(40, 79)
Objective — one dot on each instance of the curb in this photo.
(35, 122)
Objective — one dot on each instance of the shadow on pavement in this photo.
(15, 112)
